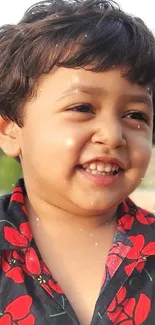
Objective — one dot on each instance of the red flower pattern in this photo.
(139, 253)
(116, 255)
(17, 196)
(39, 271)
(131, 212)
(18, 312)
(21, 237)
(10, 266)
(129, 311)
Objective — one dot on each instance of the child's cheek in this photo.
(69, 143)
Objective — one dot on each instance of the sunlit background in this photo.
(11, 12)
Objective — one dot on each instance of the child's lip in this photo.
(106, 159)
(100, 180)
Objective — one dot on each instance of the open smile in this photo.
(105, 177)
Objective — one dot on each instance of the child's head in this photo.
(75, 96)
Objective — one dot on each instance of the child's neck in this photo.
(43, 213)
(75, 250)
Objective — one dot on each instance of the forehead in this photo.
(62, 82)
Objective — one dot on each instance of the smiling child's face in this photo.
(82, 121)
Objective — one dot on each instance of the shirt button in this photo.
(135, 283)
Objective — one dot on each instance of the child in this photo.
(76, 106)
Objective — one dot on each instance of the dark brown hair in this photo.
(72, 34)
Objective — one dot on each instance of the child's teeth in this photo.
(88, 170)
(100, 168)
(92, 166)
(114, 167)
(108, 168)
(94, 172)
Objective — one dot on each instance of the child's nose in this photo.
(109, 133)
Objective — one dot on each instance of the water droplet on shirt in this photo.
(85, 35)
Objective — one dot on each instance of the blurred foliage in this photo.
(10, 171)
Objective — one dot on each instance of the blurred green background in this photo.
(10, 171)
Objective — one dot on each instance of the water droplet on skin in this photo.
(56, 45)
(91, 235)
(37, 219)
(138, 126)
(142, 178)
(81, 229)
(92, 203)
(69, 143)
(96, 244)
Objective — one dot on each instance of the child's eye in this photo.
(82, 108)
(137, 116)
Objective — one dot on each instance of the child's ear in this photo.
(9, 137)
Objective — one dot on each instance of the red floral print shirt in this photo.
(29, 295)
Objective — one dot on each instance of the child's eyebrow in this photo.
(84, 89)
(139, 98)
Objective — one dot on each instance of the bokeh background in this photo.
(10, 170)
